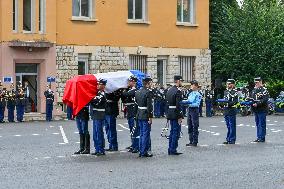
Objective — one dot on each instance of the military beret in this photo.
(257, 79)
(147, 79)
(194, 82)
(132, 78)
(178, 77)
(102, 81)
(231, 81)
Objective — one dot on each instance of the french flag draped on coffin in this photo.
(81, 89)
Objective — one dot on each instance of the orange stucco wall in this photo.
(7, 22)
(112, 28)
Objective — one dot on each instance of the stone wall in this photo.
(202, 68)
(109, 59)
(66, 66)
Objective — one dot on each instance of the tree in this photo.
(248, 41)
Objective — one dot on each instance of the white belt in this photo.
(172, 107)
(128, 104)
(99, 110)
(142, 108)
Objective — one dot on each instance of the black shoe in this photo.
(129, 147)
(176, 153)
(130, 150)
(256, 140)
(100, 154)
(226, 142)
(191, 145)
(82, 144)
(147, 155)
(78, 152)
(111, 150)
(135, 151)
(231, 142)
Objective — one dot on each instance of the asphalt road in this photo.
(39, 155)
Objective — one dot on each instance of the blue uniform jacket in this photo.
(194, 99)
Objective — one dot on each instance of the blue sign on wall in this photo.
(50, 79)
(7, 79)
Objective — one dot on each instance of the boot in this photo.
(87, 144)
(82, 144)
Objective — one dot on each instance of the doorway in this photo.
(28, 75)
(161, 70)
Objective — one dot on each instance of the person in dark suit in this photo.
(49, 95)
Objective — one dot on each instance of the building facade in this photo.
(74, 37)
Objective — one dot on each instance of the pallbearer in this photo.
(82, 119)
(174, 114)
(98, 105)
(20, 102)
(129, 102)
(230, 112)
(144, 99)
(11, 103)
(49, 95)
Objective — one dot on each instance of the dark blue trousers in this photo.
(49, 108)
(231, 126)
(82, 126)
(111, 132)
(174, 136)
(20, 112)
(134, 131)
(157, 108)
(2, 110)
(193, 124)
(69, 113)
(98, 135)
(260, 120)
(11, 110)
(208, 108)
(144, 140)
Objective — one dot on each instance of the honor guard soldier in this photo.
(144, 99)
(11, 103)
(260, 97)
(175, 114)
(20, 102)
(129, 101)
(82, 119)
(3, 96)
(193, 101)
(157, 101)
(49, 95)
(230, 112)
(209, 94)
(112, 111)
(98, 105)
(163, 102)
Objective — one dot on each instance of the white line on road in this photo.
(60, 156)
(17, 135)
(119, 130)
(213, 126)
(47, 157)
(123, 127)
(55, 133)
(76, 132)
(63, 135)
(35, 134)
(216, 134)
(271, 124)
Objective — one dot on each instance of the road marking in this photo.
(36, 158)
(213, 126)
(204, 145)
(221, 144)
(55, 133)
(77, 142)
(126, 123)
(47, 157)
(60, 156)
(275, 121)
(0, 136)
(123, 127)
(51, 126)
(61, 143)
(216, 134)
(63, 135)
(253, 126)
(35, 134)
(76, 132)
(271, 124)
(119, 130)
(272, 129)
(17, 135)
(222, 121)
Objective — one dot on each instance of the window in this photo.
(186, 11)
(82, 8)
(83, 64)
(27, 15)
(41, 18)
(186, 67)
(15, 15)
(137, 9)
(138, 62)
